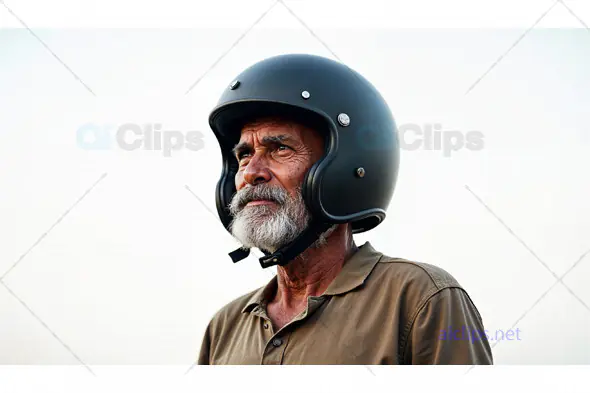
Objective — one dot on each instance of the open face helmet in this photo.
(355, 179)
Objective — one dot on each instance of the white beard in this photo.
(270, 227)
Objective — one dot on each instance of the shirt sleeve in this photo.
(448, 330)
(204, 353)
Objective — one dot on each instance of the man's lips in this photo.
(260, 202)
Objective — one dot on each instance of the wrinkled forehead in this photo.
(279, 126)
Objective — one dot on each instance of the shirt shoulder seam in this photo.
(439, 282)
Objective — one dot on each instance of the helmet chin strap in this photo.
(288, 252)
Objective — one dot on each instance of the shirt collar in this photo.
(261, 296)
(354, 273)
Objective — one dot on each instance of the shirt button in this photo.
(266, 325)
(277, 342)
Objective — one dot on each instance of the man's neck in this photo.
(311, 273)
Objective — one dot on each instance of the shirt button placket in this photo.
(276, 342)
(274, 351)
(267, 330)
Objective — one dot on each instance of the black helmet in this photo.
(354, 180)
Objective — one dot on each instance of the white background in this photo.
(110, 257)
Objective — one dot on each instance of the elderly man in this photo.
(310, 157)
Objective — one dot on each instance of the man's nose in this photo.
(256, 171)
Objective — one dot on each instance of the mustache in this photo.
(260, 192)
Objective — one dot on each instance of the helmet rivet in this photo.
(274, 259)
(343, 119)
(234, 85)
(305, 94)
(360, 172)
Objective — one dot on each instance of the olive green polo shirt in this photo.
(378, 310)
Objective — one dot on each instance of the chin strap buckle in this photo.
(239, 254)
(266, 261)
(272, 260)
(287, 253)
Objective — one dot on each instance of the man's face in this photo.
(268, 208)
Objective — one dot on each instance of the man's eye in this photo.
(242, 155)
(282, 148)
